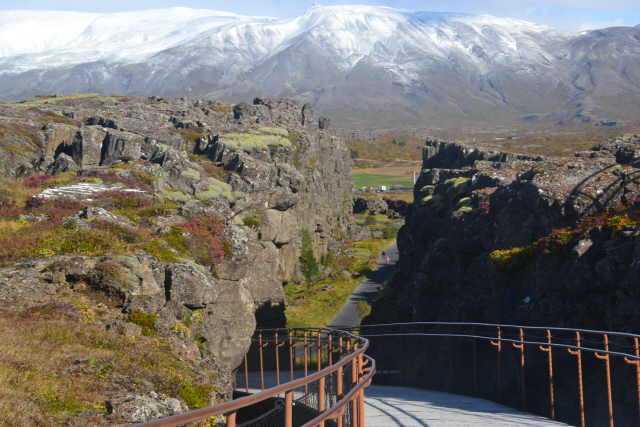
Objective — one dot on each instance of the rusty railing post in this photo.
(607, 366)
(330, 352)
(498, 346)
(319, 353)
(523, 390)
(306, 360)
(288, 409)
(231, 419)
(261, 361)
(291, 363)
(246, 373)
(549, 350)
(361, 417)
(578, 354)
(636, 362)
(277, 350)
(322, 405)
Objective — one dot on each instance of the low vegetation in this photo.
(245, 141)
(33, 227)
(316, 303)
(557, 243)
(387, 148)
(60, 367)
(360, 180)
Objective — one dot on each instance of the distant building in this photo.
(383, 188)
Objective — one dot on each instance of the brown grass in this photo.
(60, 366)
(391, 169)
(383, 149)
(406, 196)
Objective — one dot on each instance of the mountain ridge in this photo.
(349, 61)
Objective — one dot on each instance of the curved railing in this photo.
(534, 358)
(310, 377)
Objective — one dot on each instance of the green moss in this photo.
(126, 234)
(513, 259)
(176, 196)
(177, 240)
(619, 222)
(456, 186)
(241, 141)
(190, 173)
(216, 189)
(157, 210)
(463, 210)
(196, 395)
(198, 316)
(295, 137)
(182, 330)
(147, 321)
(62, 404)
(274, 131)
(157, 249)
(252, 221)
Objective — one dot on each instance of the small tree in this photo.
(308, 262)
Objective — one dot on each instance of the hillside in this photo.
(365, 66)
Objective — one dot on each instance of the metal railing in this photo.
(527, 359)
(310, 377)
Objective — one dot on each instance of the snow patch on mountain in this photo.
(348, 34)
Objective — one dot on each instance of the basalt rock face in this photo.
(504, 238)
(266, 170)
(489, 202)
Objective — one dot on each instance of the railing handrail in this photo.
(553, 328)
(231, 406)
(515, 341)
(521, 337)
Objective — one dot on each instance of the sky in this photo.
(563, 14)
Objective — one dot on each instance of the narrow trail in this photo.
(349, 316)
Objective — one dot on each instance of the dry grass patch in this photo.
(59, 367)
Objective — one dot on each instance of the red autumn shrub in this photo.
(38, 180)
(208, 244)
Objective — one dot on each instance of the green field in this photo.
(373, 180)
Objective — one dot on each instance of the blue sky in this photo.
(564, 14)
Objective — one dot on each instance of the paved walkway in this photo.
(349, 315)
(387, 406)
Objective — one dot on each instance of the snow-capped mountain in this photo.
(359, 62)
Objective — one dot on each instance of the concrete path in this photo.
(387, 406)
(349, 316)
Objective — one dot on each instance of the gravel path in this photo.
(349, 316)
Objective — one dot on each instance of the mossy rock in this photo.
(175, 196)
(456, 186)
(147, 321)
(191, 174)
(247, 141)
(216, 189)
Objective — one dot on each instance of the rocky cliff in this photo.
(514, 238)
(506, 238)
(180, 216)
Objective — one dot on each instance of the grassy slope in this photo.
(56, 369)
